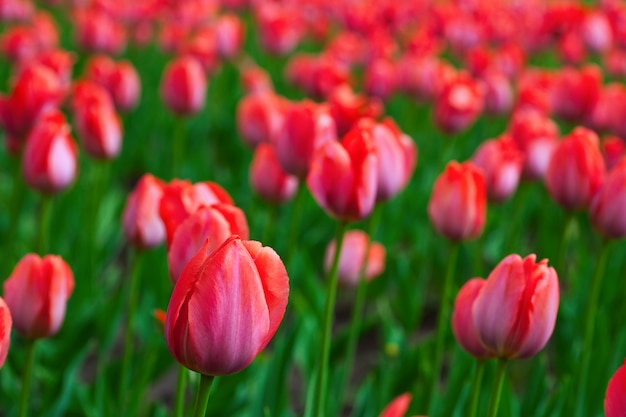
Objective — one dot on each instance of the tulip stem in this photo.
(357, 312)
(45, 209)
(570, 223)
(590, 321)
(478, 377)
(26, 376)
(181, 387)
(128, 330)
(321, 387)
(202, 399)
(296, 213)
(496, 391)
(443, 321)
(179, 147)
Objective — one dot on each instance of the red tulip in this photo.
(49, 160)
(60, 62)
(343, 175)
(536, 136)
(307, 126)
(608, 204)
(615, 398)
(576, 170)
(183, 87)
(5, 331)
(141, 222)
(424, 77)
(99, 32)
(260, 118)
(19, 44)
(458, 204)
(37, 293)
(99, 69)
(202, 47)
(226, 307)
(230, 34)
(596, 32)
(458, 104)
(267, 177)
(279, 28)
(515, 311)
(347, 108)
(124, 86)
(354, 254)
(99, 129)
(255, 79)
(499, 93)
(575, 92)
(398, 407)
(614, 150)
(215, 223)
(502, 163)
(463, 322)
(380, 79)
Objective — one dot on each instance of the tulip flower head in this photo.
(141, 222)
(398, 407)
(463, 322)
(37, 293)
(183, 87)
(226, 306)
(609, 202)
(356, 251)
(458, 104)
(5, 331)
(267, 177)
(502, 163)
(615, 398)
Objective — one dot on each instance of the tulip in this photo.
(463, 322)
(502, 163)
(596, 32)
(280, 28)
(5, 331)
(60, 62)
(230, 35)
(458, 203)
(202, 46)
(607, 206)
(615, 398)
(576, 170)
(37, 293)
(347, 108)
(125, 86)
(255, 79)
(515, 311)
(357, 251)
(19, 44)
(99, 129)
(424, 77)
(575, 92)
(215, 223)
(141, 222)
(499, 93)
(49, 160)
(99, 69)
(183, 87)
(260, 118)
(267, 177)
(98, 32)
(614, 150)
(458, 104)
(398, 407)
(380, 79)
(226, 306)
(343, 176)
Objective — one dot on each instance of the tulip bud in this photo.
(614, 150)
(575, 92)
(355, 251)
(536, 136)
(576, 170)
(279, 27)
(141, 222)
(347, 108)
(596, 32)
(267, 177)
(125, 86)
(398, 407)
(515, 312)
(458, 204)
(5, 331)
(97, 31)
(498, 93)
(343, 176)
(183, 87)
(608, 204)
(49, 160)
(259, 118)
(501, 163)
(37, 293)
(458, 104)
(615, 398)
(226, 306)
(462, 319)
(380, 79)
(230, 34)
(215, 223)
(99, 129)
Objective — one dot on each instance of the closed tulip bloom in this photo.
(226, 306)
(230, 34)
(354, 253)
(307, 126)
(99, 129)
(49, 161)
(125, 86)
(608, 204)
(614, 150)
(576, 170)
(463, 322)
(615, 398)
(141, 222)
(380, 78)
(267, 177)
(499, 93)
(36, 293)
(458, 204)
(215, 223)
(575, 92)
(515, 312)
(260, 118)
(183, 87)
(398, 407)
(347, 107)
(536, 135)
(596, 32)
(99, 32)
(502, 163)
(99, 69)
(343, 176)
(458, 104)
(5, 331)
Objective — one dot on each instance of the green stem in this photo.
(181, 386)
(496, 390)
(357, 312)
(515, 229)
(321, 386)
(270, 222)
(443, 321)
(570, 222)
(478, 376)
(202, 399)
(45, 209)
(100, 173)
(590, 321)
(296, 213)
(179, 147)
(16, 202)
(128, 329)
(27, 376)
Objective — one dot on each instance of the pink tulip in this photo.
(354, 254)
(615, 398)
(536, 136)
(347, 107)
(49, 161)
(458, 204)
(226, 306)
(458, 104)
(267, 177)
(398, 407)
(380, 79)
(575, 92)
(463, 322)
(6, 323)
(260, 118)
(502, 163)
(37, 293)
(343, 176)
(609, 202)
(99, 129)
(141, 222)
(230, 35)
(515, 312)
(215, 223)
(614, 150)
(125, 86)
(183, 87)
(576, 170)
